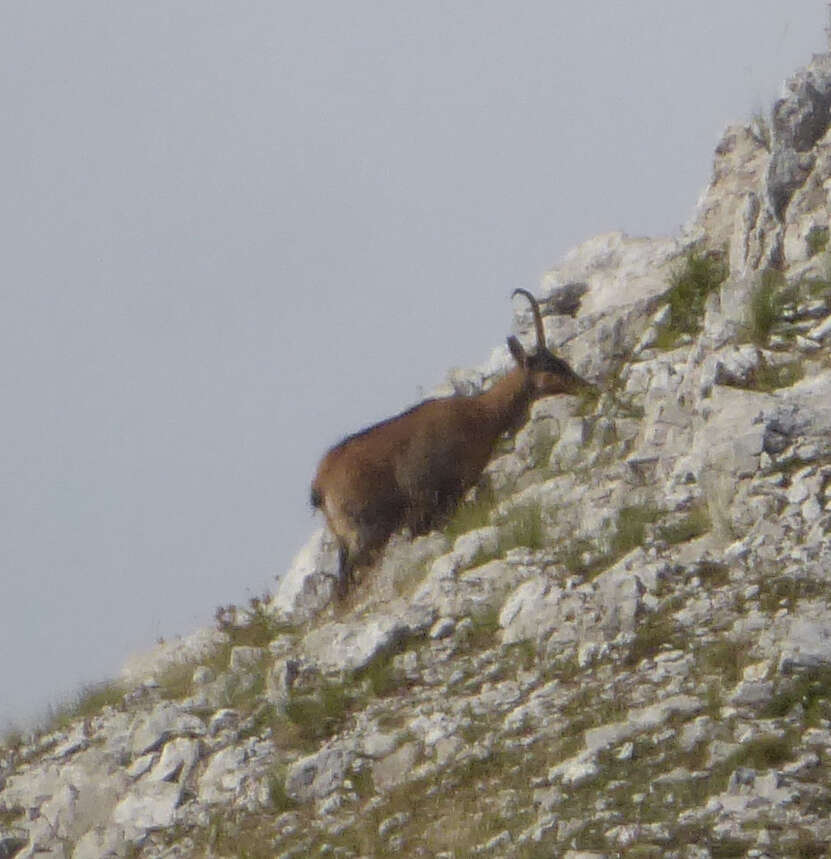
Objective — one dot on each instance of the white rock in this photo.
(223, 775)
(317, 775)
(352, 646)
(177, 761)
(309, 583)
(807, 644)
(167, 720)
(442, 628)
(148, 806)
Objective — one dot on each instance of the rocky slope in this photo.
(619, 646)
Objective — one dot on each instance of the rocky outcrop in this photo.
(620, 644)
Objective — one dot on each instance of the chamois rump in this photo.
(414, 468)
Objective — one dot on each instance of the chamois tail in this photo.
(316, 498)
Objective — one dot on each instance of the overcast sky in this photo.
(235, 232)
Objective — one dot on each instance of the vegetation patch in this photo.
(786, 591)
(810, 690)
(524, 527)
(258, 626)
(90, 701)
(630, 531)
(724, 658)
(380, 675)
(472, 514)
(691, 525)
(320, 714)
(694, 279)
(762, 753)
(767, 305)
(280, 800)
(769, 377)
(483, 632)
(655, 632)
(176, 681)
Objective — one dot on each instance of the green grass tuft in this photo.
(524, 527)
(695, 523)
(90, 701)
(766, 305)
(319, 715)
(470, 515)
(631, 528)
(767, 377)
(699, 275)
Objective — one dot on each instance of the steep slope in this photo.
(621, 643)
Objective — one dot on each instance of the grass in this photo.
(470, 515)
(258, 628)
(768, 377)
(482, 632)
(766, 305)
(524, 527)
(651, 636)
(321, 714)
(90, 701)
(585, 558)
(380, 676)
(176, 681)
(280, 800)
(694, 279)
(712, 573)
(630, 531)
(724, 658)
(811, 690)
(691, 525)
(762, 753)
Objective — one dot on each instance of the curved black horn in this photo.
(537, 316)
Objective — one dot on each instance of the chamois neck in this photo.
(505, 402)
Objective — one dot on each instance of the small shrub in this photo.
(258, 626)
(713, 573)
(690, 284)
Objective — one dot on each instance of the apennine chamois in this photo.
(414, 468)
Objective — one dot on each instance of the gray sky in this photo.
(235, 232)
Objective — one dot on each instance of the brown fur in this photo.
(414, 468)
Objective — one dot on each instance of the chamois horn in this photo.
(537, 316)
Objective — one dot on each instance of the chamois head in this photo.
(547, 374)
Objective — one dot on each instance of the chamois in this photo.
(412, 469)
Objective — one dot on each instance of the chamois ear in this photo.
(517, 351)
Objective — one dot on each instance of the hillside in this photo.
(620, 645)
